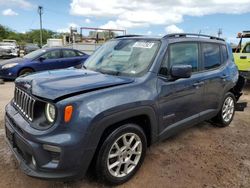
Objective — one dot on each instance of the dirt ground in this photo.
(202, 156)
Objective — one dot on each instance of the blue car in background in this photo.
(40, 60)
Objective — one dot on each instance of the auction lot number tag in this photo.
(143, 44)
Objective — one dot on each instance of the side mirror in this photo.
(41, 59)
(181, 71)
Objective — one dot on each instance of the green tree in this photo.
(32, 36)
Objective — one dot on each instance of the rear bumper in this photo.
(63, 164)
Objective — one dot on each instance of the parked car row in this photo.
(40, 60)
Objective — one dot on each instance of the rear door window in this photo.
(184, 54)
(224, 53)
(69, 53)
(211, 55)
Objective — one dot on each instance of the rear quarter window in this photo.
(69, 53)
(224, 53)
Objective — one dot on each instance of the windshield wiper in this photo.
(103, 71)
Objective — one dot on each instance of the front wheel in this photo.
(121, 154)
(226, 114)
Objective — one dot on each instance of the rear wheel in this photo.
(25, 71)
(226, 114)
(121, 154)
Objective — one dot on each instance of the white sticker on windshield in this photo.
(143, 45)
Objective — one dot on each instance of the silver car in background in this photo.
(8, 49)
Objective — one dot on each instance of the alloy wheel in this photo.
(124, 155)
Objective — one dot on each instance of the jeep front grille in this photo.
(25, 103)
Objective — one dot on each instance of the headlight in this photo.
(50, 112)
(7, 66)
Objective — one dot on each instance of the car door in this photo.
(243, 61)
(49, 60)
(180, 101)
(214, 58)
(71, 58)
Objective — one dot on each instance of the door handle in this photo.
(243, 57)
(198, 84)
(224, 76)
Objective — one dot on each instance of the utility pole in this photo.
(219, 32)
(40, 12)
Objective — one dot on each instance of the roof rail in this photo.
(176, 35)
(123, 36)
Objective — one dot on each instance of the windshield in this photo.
(34, 54)
(123, 57)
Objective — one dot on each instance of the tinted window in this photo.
(55, 54)
(224, 53)
(69, 53)
(247, 49)
(184, 53)
(211, 54)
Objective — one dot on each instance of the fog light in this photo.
(33, 161)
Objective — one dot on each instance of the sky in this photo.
(147, 17)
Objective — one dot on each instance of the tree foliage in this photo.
(32, 36)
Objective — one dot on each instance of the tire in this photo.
(115, 155)
(25, 71)
(227, 111)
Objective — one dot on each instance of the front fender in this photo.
(100, 124)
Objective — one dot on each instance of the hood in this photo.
(7, 47)
(54, 84)
(13, 60)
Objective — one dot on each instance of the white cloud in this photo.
(87, 20)
(9, 12)
(138, 13)
(67, 29)
(17, 3)
(173, 29)
(110, 25)
(149, 33)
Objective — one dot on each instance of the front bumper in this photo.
(8, 74)
(245, 74)
(8, 53)
(66, 164)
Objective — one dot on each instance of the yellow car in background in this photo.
(242, 55)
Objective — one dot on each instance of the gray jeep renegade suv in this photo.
(132, 92)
